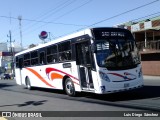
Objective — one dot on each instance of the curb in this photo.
(2, 118)
(151, 77)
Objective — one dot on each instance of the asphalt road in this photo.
(17, 98)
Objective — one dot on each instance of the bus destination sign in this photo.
(113, 34)
(105, 34)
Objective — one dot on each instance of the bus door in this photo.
(83, 60)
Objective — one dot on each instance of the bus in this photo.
(98, 60)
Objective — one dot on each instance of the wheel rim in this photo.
(69, 87)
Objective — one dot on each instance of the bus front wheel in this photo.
(69, 87)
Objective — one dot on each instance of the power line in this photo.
(115, 16)
(110, 17)
(123, 13)
(44, 15)
(60, 6)
(52, 11)
(46, 22)
(50, 22)
(68, 13)
(146, 16)
(74, 9)
(98, 21)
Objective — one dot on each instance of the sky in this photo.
(63, 17)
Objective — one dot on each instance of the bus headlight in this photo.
(104, 76)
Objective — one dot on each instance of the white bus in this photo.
(97, 60)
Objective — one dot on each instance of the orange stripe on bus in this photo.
(56, 76)
(39, 76)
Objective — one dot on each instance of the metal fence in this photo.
(149, 45)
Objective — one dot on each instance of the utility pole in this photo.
(20, 29)
(11, 50)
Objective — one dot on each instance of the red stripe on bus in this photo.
(40, 77)
(116, 74)
(48, 70)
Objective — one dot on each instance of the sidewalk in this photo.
(151, 77)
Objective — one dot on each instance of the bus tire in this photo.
(69, 87)
(28, 83)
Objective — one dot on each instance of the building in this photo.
(6, 57)
(147, 35)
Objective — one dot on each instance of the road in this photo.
(17, 98)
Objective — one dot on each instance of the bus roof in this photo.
(73, 35)
(83, 32)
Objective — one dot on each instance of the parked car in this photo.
(5, 76)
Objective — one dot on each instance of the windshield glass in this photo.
(117, 53)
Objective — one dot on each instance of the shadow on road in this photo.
(146, 92)
(2, 85)
(143, 93)
(48, 90)
(33, 103)
(121, 99)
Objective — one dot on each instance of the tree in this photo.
(32, 45)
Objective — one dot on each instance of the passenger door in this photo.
(84, 64)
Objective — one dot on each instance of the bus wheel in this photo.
(28, 83)
(69, 87)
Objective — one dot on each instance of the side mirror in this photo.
(93, 48)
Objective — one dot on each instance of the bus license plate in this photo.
(126, 85)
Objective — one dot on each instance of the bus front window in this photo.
(117, 54)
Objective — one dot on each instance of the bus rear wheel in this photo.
(69, 87)
(28, 83)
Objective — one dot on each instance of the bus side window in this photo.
(26, 60)
(68, 55)
(20, 63)
(34, 58)
(52, 54)
(42, 58)
(54, 58)
(64, 50)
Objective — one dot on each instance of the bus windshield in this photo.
(117, 53)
